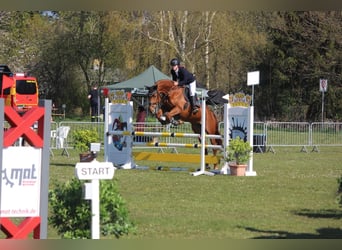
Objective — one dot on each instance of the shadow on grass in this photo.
(326, 213)
(64, 165)
(322, 233)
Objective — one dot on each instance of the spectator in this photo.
(140, 119)
(93, 97)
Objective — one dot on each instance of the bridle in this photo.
(155, 105)
(161, 98)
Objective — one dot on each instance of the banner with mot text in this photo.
(21, 182)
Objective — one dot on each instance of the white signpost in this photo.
(95, 171)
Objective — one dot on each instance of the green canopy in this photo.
(146, 78)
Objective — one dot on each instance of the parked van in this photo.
(19, 90)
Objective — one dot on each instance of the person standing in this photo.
(181, 77)
(93, 96)
(140, 119)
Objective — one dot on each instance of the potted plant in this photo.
(82, 139)
(238, 154)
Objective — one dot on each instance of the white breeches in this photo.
(192, 87)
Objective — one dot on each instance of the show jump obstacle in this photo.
(238, 115)
(24, 171)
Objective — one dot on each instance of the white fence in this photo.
(267, 135)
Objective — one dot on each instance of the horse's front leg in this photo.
(161, 117)
(171, 114)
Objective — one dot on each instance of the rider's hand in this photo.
(175, 83)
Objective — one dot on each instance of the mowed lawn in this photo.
(292, 196)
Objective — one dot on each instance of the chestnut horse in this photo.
(166, 99)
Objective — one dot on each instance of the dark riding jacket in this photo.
(184, 76)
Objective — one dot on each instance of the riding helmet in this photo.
(174, 62)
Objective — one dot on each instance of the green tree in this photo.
(238, 47)
(304, 49)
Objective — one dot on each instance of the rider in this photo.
(182, 77)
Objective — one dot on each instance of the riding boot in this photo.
(193, 104)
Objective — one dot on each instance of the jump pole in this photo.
(202, 170)
(203, 136)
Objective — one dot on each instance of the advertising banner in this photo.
(21, 182)
(119, 147)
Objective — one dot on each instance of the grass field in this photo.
(292, 196)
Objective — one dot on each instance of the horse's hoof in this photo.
(175, 123)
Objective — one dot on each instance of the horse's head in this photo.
(153, 99)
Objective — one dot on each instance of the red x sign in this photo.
(23, 230)
(22, 126)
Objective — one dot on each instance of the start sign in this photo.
(95, 170)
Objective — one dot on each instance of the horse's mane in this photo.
(164, 86)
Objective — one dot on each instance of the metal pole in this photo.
(45, 169)
(322, 106)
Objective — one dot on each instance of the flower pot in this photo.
(237, 170)
(86, 157)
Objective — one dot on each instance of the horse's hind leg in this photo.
(215, 150)
(207, 164)
(205, 152)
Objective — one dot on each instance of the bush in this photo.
(71, 213)
(83, 137)
(239, 151)
(339, 191)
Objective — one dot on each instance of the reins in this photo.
(158, 100)
(162, 97)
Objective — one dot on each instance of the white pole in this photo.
(250, 171)
(203, 120)
(95, 209)
(105, 137)
(225, 168)
(226, 128)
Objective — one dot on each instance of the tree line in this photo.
(69, 51)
